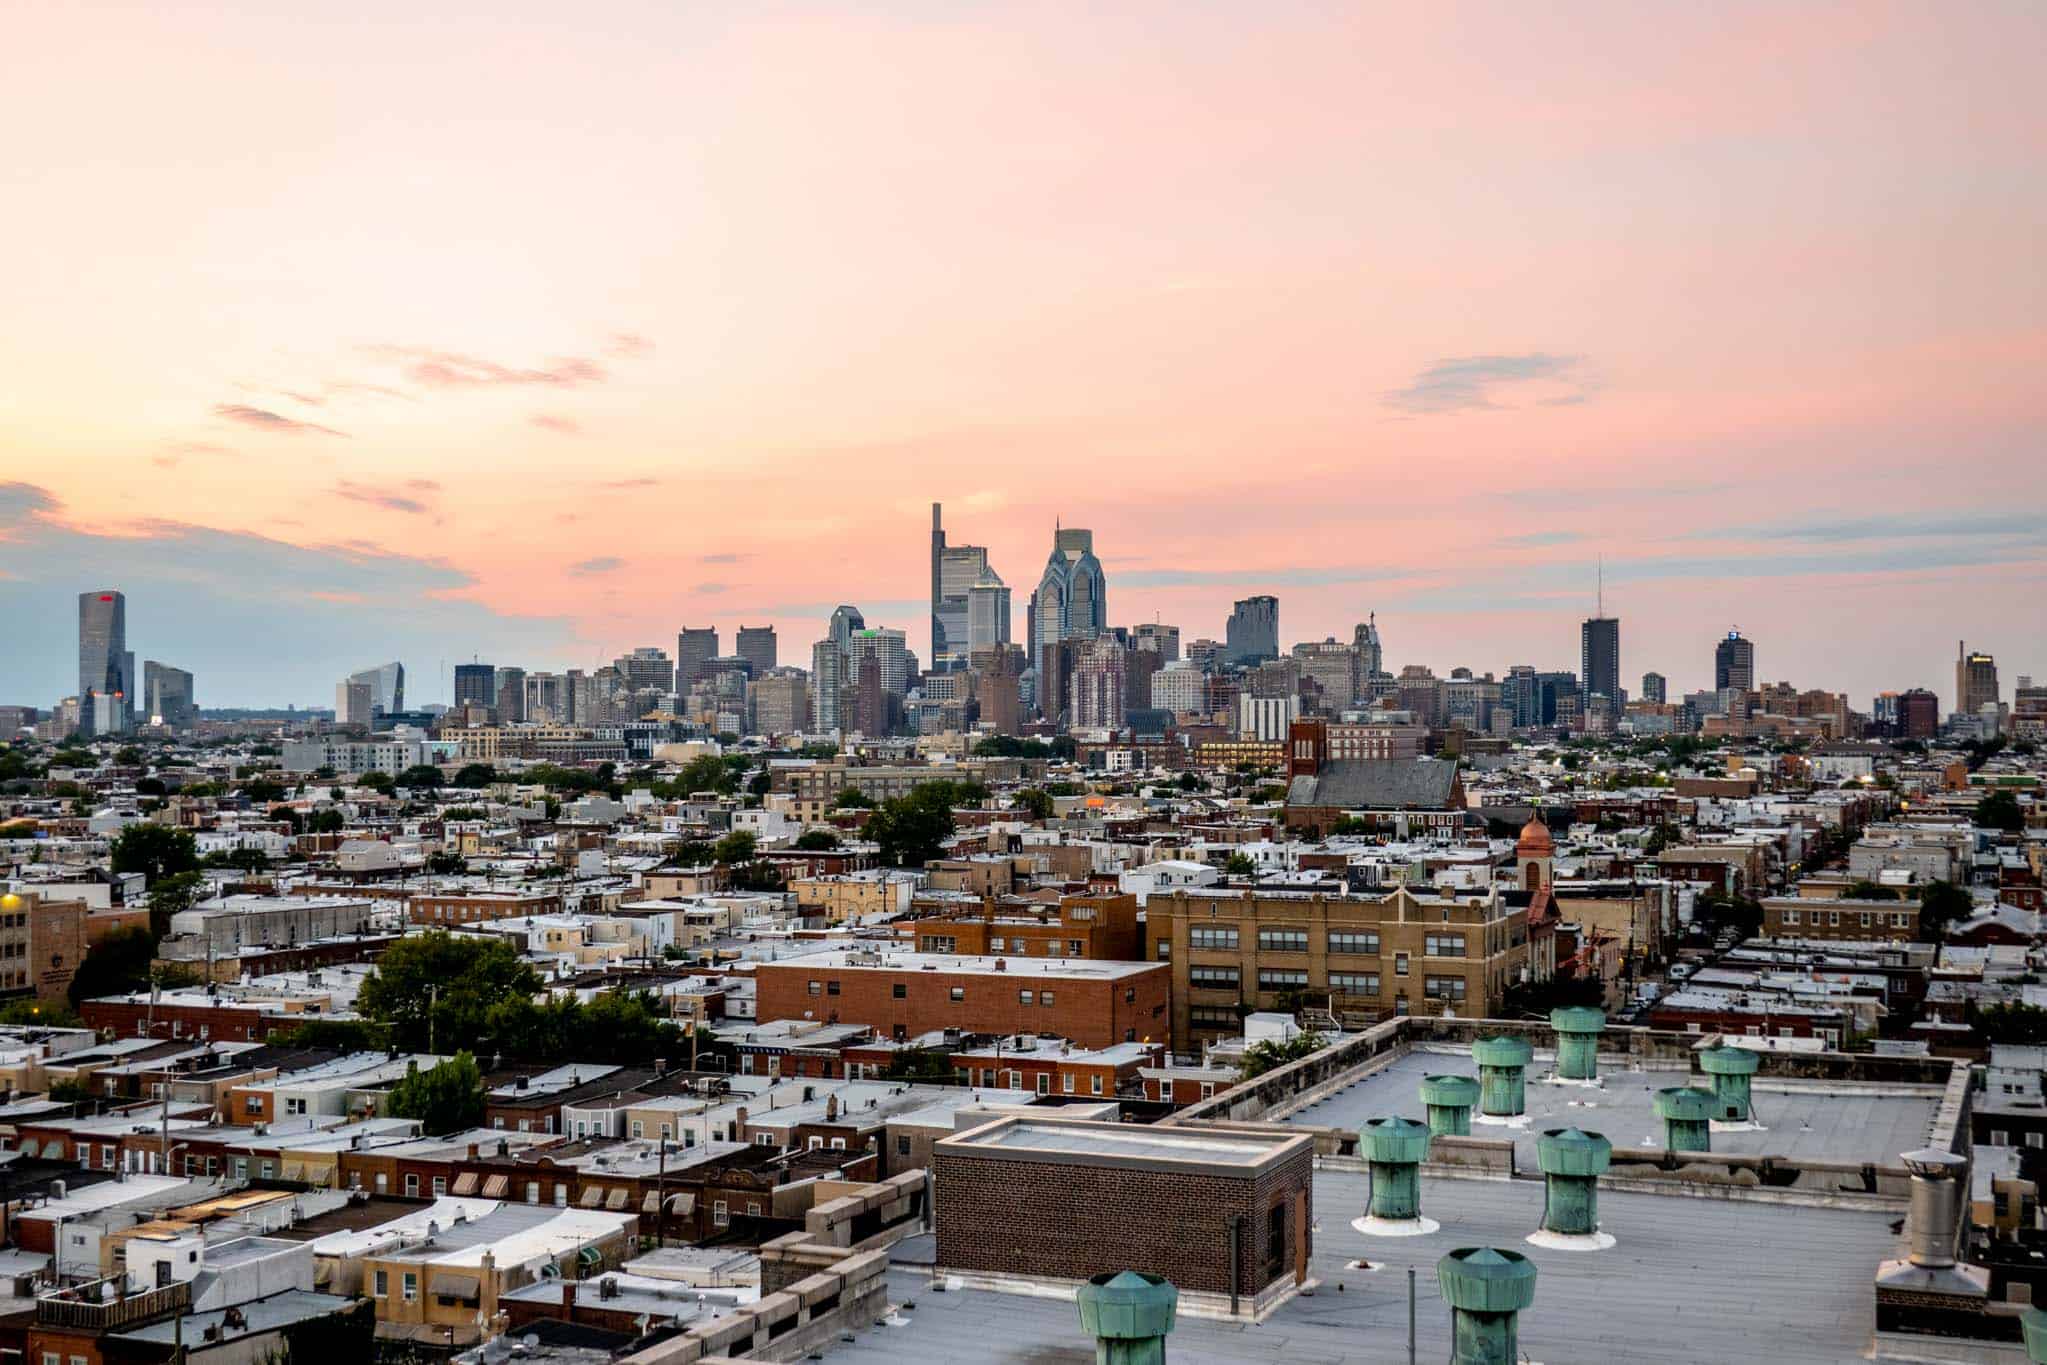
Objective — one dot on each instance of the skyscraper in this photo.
(958, 574)
(1157, 638)
(1975, 680)
(387, 686)
(1655, 687)
(1252, 634)
(104, 664)
(756, 645)
(1734, 664)
(695, 646)
(510, 695)
(1371, 657)
(1599, 650)
(1096, 689)
(167, 696)
(1071, 603)
(646, 667)
(476, 684)
(988, 614)
(831, 669)
(351, 702)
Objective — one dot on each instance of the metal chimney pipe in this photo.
(1934, 1219)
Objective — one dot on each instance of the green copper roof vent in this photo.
(1393, 1149)
(1128, 1314)
(1572, 1162)
(1502, 1077)
(1687, 1115)
(1731, 1069)
(1578, 1028)
(1487, 1290)
(2033, 1323)
(1449, 1100)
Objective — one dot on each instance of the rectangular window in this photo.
(1354, 983)
(959, 993)
(816, 988)
(1214, 978)
(1095, 1083)
(1400, 964)
(720, 1214)
(1269, 980)
(1791, 917)
(411, 1186)
(998, 945)
(411, 1283)
(1364, 943)
(1443, 945)
(1443, 987)
(1023, 997)
(1283, 940)
(1213, 938)
(1045, 999)
(899, 991)
(383, 1283)
(533, 1191)
(1076, 948)
(832, 987)
(440, 1186)
(1066, 1084)
(1209, 1019)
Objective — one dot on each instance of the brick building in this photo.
(904, 994)
(1861, 921)
(1098, 1193)
(1397, 954)
(1103, 927)
(471, 907)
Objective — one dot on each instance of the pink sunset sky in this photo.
(334, 334)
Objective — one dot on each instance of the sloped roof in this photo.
(1377, 784)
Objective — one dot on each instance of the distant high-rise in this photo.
(1734, 664)
(1096, 689)
(1371, 657)
(1252, 634)
(167, 696)
(1918, 714)
(1655, 687)
(387, 686)
(105, 667)
(695, 646)
(756, 645)
(988, 614)
(1975, 680)
(781, 702)
(510, 696)
(1156, 638)
(958, 572)
(831, 670)
(646, 667)
(1071, 603)
(476, 684)
(351, 702)
(1599, 651)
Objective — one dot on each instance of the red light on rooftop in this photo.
(106, 597)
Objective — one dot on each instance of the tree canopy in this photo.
(437, 991)
(2000, 810)
(156, 851)
(445, 1099)
(912, 829)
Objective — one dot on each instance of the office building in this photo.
(1252, 633)
(998, 687)
(1266, 718)
(831, 669)
(781, 702)
(1975, 680)
(105, 667)
(958, 572)
(695, 646)
(1162, 640)
(476, 684)
(648, 668)
(167, 696)
(1071, 603)
(756, 645)
(387, 686)
(1655, 688)
(1371, 657)
(1178, 688)
(511, 695)
(547, 699)
(1734, 664)
(890, 648)
(1599, 647)
(351, 702)
(1096, 690)
(1333, 667)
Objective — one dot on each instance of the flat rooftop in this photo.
(1063, 1140)
(1690, 1280)
(1809, 1120)
(885, 959)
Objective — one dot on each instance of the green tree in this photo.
(445, 1099)
(1192, 782)
(817, 840)
(735, 848)
(1866, 890)
(1038, 803)
(128, 756)
(436, 990)
(911, 830)
(342, 1035)
(378, 782)
(1240, 865)
(1260, 1058)
(422, 777)
(852, 798)
(115, 965)
(1941, 906)
(446, 863)
(475, 775)
(325, 822)
(156, 851)
(170, 896)
(286, 815)
(31, 1012)
(2000, 810)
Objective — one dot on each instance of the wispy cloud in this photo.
(263, 419)
(435, 369)
(625, 345)
(1887, 527)
(591, 568)
(1539, 538)
(725, 557)
(615, 485)
(21, 501)
(548, 421)
(1474, 383)
(712, 589)
(386, 499)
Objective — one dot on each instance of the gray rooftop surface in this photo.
(1692, 1280)
(1110, 1139)
(1802, 1121)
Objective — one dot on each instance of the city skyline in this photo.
(1396, 344)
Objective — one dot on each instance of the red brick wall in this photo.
(1088, 1220)
(1091, 1012)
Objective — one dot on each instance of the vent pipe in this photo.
(1572, 1162)
(1730, 1068)
(1129, 1315)
(1502, 1077)
(1935, 1217)
(1393, 1150)
(1687, 1116)
(1487, 1289)
(1449, 1100)
(1578, 1028)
